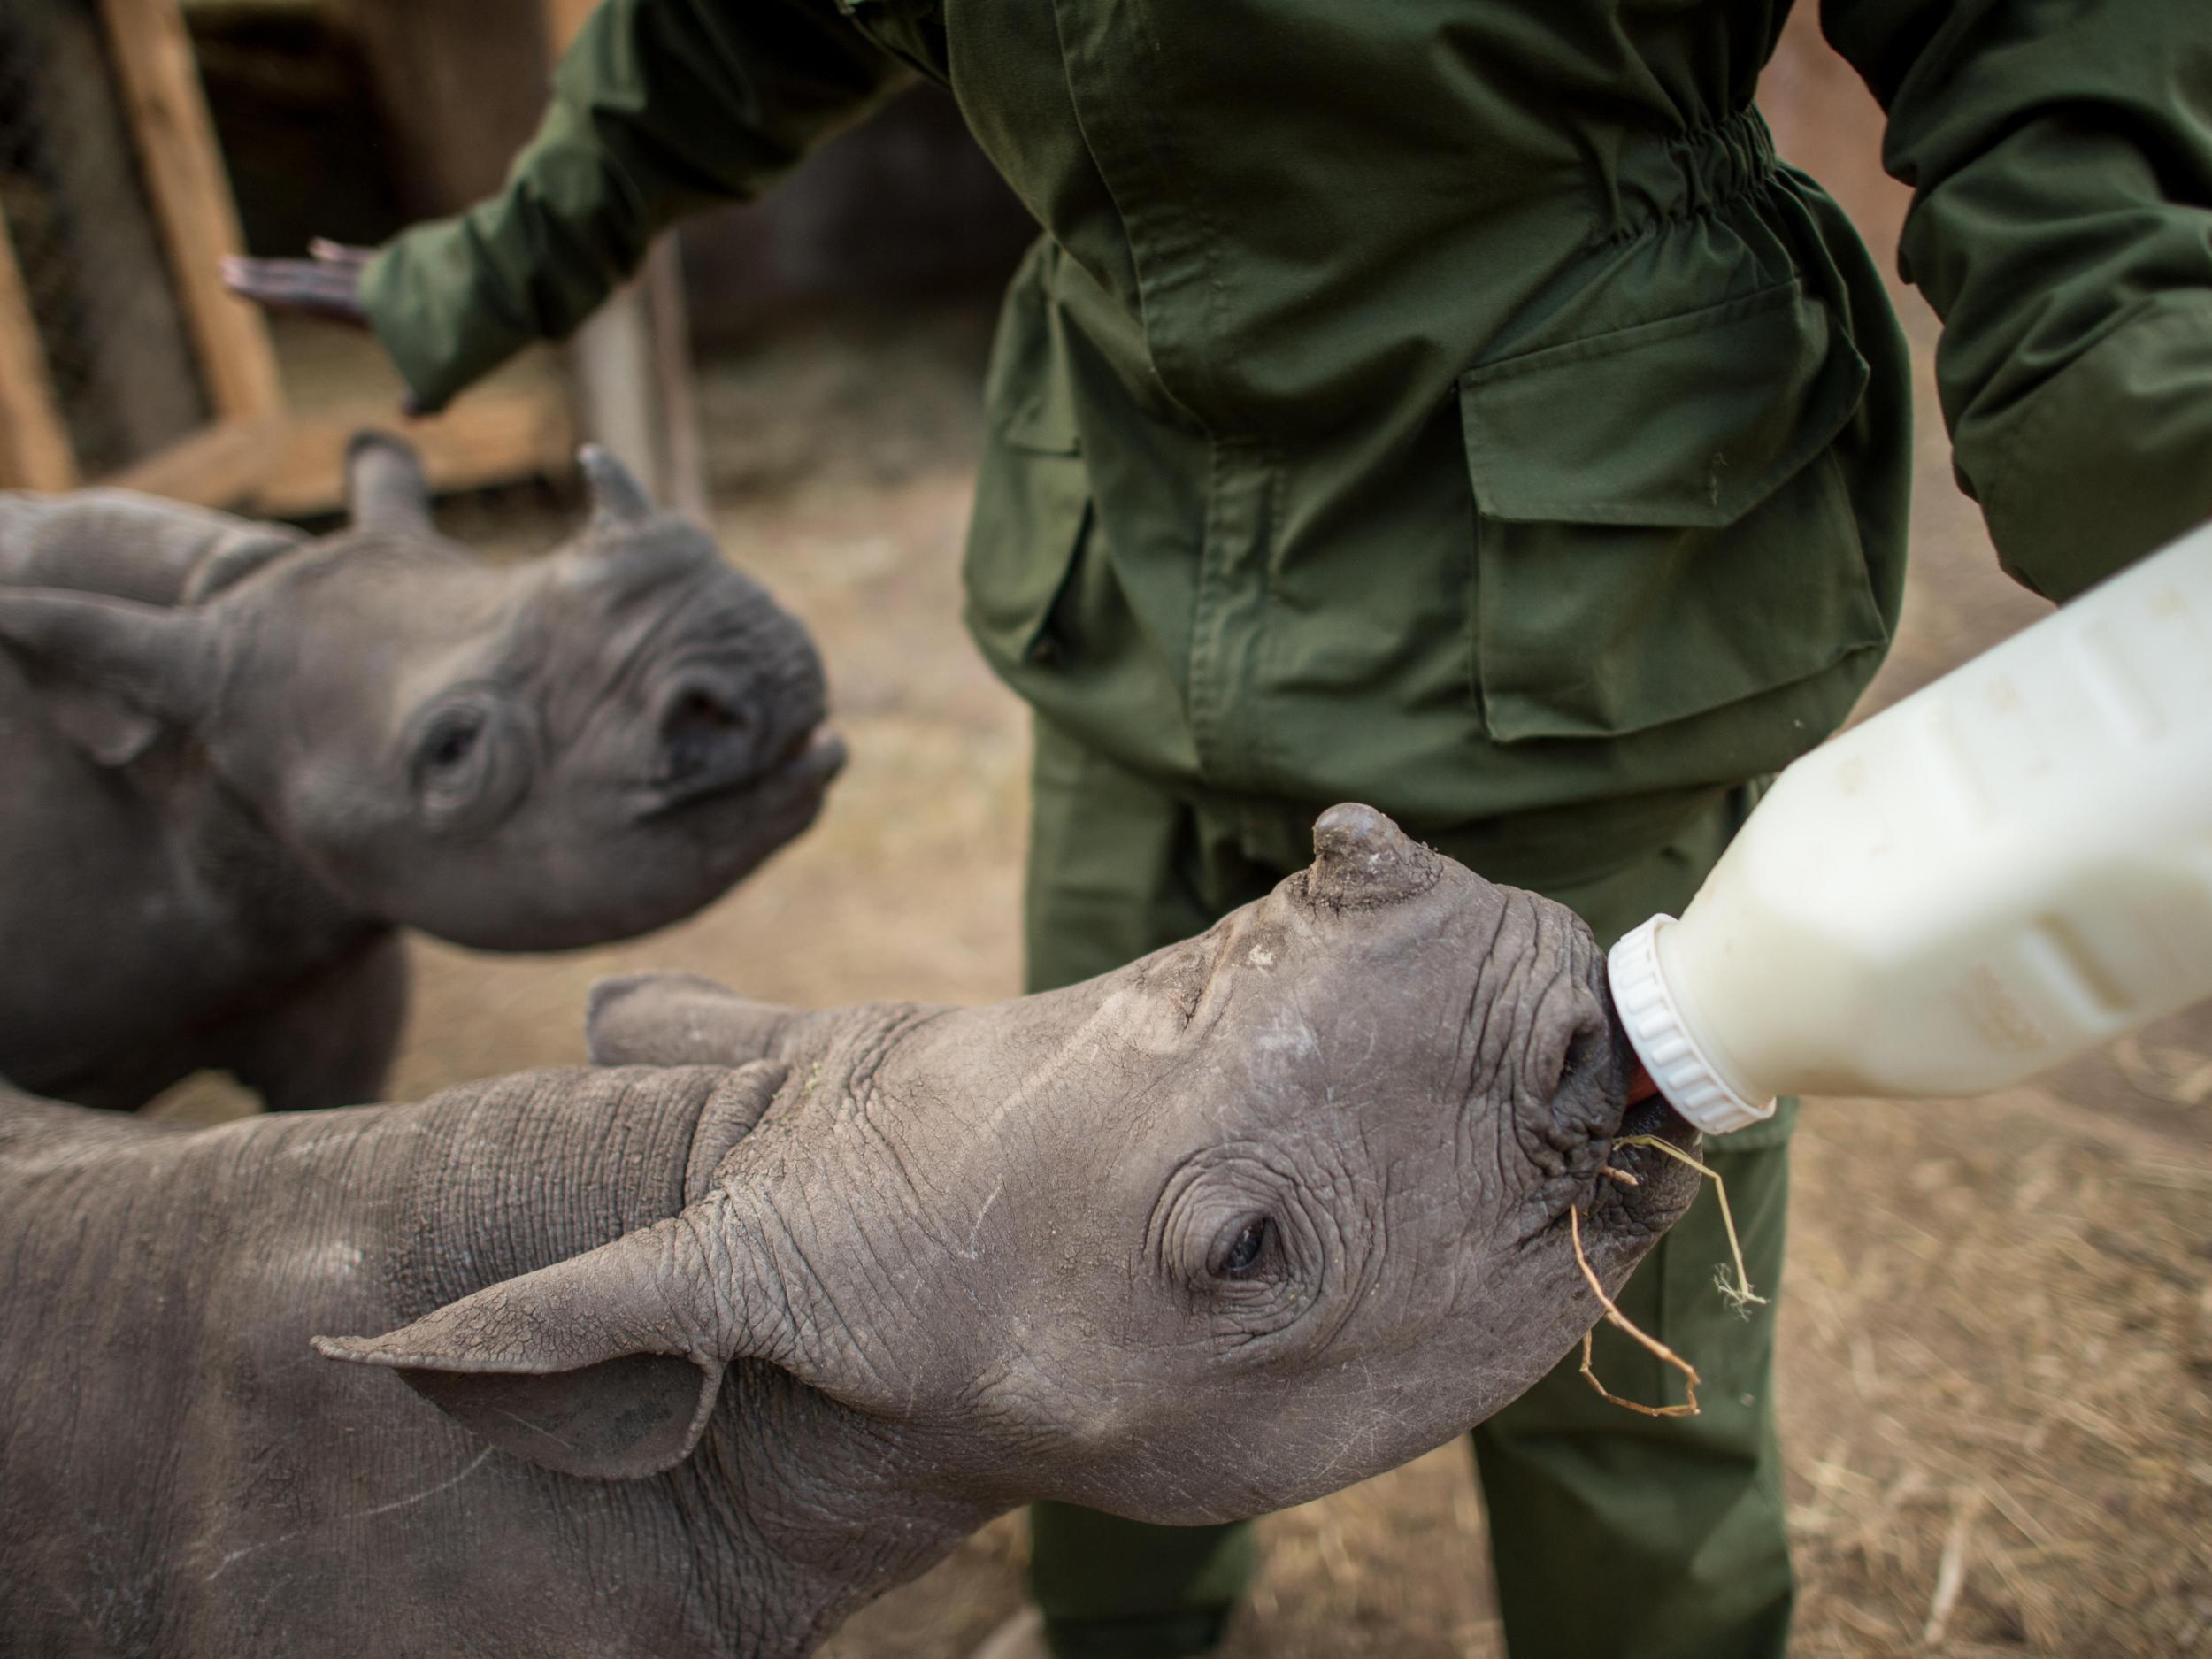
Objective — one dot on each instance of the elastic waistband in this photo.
(1661, 177)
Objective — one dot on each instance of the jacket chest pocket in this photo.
(1660, 527)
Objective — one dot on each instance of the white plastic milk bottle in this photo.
(2005, 869)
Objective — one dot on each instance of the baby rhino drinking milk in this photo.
(692, 1355)
(238, 759)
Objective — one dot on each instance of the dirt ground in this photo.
(1997, 1322)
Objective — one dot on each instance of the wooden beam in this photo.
(491, 436)
(220, 465)
(563, 21)
(34, 448)
(199, 220)
(293, 466)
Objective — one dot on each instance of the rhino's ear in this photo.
(386, 489)
(679, 1019)
(581, 1366)
(607, 1364)
(112, 674)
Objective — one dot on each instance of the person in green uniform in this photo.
(1452, 405)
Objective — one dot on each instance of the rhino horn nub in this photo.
(616, 497)
(1361, 859)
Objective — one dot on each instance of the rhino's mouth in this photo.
(1635, 1190)
(1652, 1117)
(1638, 1188)
(799, 773)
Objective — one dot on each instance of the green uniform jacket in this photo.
(1453, 404)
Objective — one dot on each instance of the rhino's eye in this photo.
(451, 741)
(467, 761)
(1242, 1241)
(1250, 1248)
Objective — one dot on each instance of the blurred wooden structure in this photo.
(127, 107)
(34, 448)
(246, 447)
(461, 89)
(632, 362)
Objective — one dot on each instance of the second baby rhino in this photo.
(239, 759)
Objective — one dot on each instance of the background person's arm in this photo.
(660, 107)
(2061, 160)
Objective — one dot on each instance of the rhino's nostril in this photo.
(1583, 1052)
(698, 734)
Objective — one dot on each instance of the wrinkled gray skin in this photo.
(701, 1358)
(238, 759)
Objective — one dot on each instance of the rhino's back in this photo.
(180, 1473)
(143, 905)
(103, 927)
(115, 942)
(153, 912)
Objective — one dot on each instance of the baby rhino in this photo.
(237, 760)
(697, 1359)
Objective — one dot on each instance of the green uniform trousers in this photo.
(1614, 1535)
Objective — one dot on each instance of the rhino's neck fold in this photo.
(820, 1511)
(795, 1509)
(292, 918)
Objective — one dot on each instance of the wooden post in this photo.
(34, 448)
(184, 173)
(684, 481)
(632, 360)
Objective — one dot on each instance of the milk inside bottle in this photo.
(2008, 867)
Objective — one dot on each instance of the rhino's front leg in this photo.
(330, 1040)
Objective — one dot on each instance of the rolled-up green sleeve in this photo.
(660, 107)
(2060, 153)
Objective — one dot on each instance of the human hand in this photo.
(328, 284)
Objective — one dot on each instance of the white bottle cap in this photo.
(1663, 1042)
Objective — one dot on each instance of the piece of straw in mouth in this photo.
(1615, 1317)
(1740, 1294)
